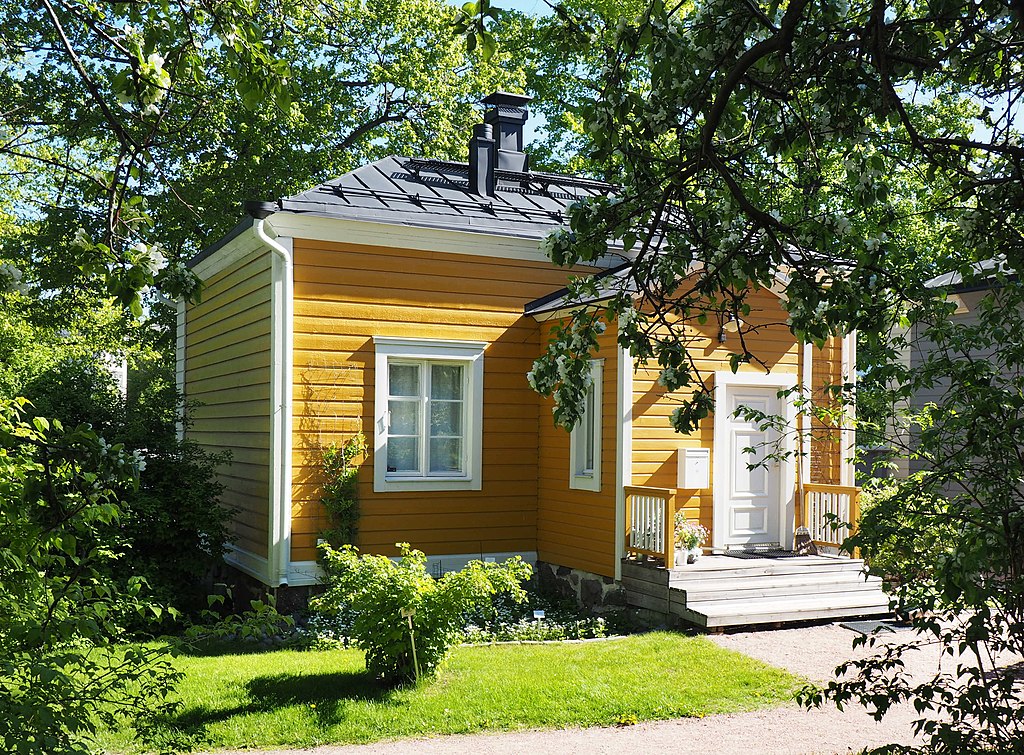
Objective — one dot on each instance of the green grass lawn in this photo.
(295, 698)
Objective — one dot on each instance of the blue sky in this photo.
(536, 7)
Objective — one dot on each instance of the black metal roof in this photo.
(611, 282)
(435, 194)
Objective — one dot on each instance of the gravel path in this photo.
(811, 652)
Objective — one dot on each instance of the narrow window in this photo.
(585, 439)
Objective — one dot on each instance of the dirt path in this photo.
(811, 652)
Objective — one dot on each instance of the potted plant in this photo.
(690, 536)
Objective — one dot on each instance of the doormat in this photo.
(871, 627)
(761, 553)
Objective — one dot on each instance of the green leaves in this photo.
(474, 22)
(60, 611)
(340, 490)
(381, 592)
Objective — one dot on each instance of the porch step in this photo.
(726, 567)
(727, 613)
(720, 591)
(776, 586)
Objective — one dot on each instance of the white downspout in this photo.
(281, 340)
(623, 449)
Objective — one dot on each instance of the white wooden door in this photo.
(753, 499)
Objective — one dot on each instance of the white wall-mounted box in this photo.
(694, 468)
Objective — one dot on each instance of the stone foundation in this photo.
(588, 590)
(245, 588)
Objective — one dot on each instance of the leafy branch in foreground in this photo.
(949, 538)
(62, 669)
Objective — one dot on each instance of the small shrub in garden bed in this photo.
(392, 599)
(507, 621)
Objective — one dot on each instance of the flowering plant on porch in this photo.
(689, 535)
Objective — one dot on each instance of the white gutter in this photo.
(281, 340)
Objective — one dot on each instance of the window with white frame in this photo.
(585, 439)
(428, 406)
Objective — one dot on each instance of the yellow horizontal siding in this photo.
(227, 371)
(346, 294)
(655, 442)
(576, 528)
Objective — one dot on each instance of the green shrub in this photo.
(62, 615)
(379, 589)
(172, 528)
(894, 546)
(175, 524)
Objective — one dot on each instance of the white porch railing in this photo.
(650, 523)
(828, 505)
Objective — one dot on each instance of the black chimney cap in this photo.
(259, 210)
(508, 99)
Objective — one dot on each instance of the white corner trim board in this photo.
(807, 394)
(179, 364)
(848, 472)
(279, 520)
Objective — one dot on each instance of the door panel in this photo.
(753, 498)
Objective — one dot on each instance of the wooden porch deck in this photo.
(725, 591)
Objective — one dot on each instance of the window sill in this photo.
(424, 484)
(585, 482)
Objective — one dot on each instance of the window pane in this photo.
(446, 455)
(588, 426)
(405, 417)
(403, 454)
(446, 381)
(446, 418)
(404, 379)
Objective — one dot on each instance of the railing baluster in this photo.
(831, 513)
(648, 522)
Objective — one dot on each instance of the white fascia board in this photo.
(369, 233)
(398, 236)
(244, 244)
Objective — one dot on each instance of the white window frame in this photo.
(580, 479)
(470, 354)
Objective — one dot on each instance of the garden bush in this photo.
(172, 529)
(507, 620)
(379, 590)
(62, 615)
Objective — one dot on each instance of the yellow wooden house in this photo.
(407, 300)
